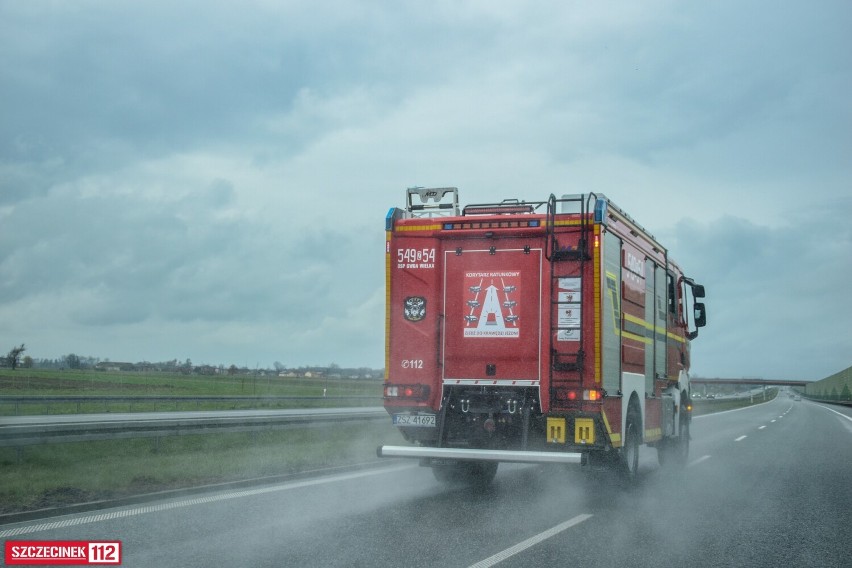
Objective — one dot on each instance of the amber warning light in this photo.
(588, 394)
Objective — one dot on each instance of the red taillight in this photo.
(407, 391)
(586, 394)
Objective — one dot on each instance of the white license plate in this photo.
(423, 420)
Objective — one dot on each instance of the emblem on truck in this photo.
(415, 308)
(492, 304)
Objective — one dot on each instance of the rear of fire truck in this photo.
(505, 340)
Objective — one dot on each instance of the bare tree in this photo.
(14, 356)
(73, 361)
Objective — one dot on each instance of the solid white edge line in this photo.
(709, 414)
(165, 505)
(838, 413)
(532, 541)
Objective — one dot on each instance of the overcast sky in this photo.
(209, 180)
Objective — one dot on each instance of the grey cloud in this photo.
(773, 296)
(208, 166)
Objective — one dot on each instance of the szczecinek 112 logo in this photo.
(62, 552)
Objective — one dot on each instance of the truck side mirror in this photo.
(698, 291)
(700, 313)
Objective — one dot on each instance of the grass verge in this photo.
(54, 475)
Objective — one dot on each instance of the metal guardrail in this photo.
(106, 400)
(835, 402)
(34, 430)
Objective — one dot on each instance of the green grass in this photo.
(39, 382)
(52, 475)
(51, 382)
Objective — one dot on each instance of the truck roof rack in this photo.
(505, 207)
(429, 201)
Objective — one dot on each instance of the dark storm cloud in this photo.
(211, 178)
(125, 80)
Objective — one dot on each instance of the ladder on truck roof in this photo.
(567, 263)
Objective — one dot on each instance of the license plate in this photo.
(421, 420)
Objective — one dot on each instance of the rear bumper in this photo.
(479, 455)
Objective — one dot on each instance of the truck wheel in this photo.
(471, 473)
(629, 462)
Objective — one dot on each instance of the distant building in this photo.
(115, 366)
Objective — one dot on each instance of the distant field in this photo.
(51, 382)
(36, 382)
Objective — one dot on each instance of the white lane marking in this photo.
(532, 541)
(189, 502)
(762, 427)
(743, 437)
(732, 410)
(839, 413)
(772, 421)
(698, 461)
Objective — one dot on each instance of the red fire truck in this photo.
(552, 331)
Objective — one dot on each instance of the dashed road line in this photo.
(761, 427)
(743, 437)
(698, 461)
(532, 541)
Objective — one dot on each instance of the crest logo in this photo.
(414, 308)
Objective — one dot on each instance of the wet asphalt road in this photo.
(766, 486)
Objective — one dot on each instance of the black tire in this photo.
(629, 454)
(470, 473)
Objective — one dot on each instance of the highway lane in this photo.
(767, 486)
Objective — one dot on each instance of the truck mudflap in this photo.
(479, 455)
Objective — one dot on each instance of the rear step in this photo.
(478, 455)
